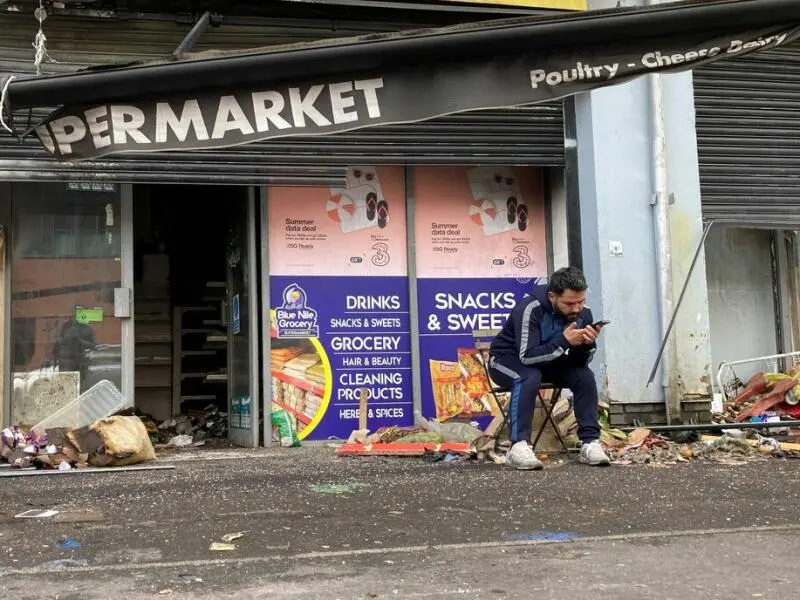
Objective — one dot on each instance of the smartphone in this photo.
(600, 324)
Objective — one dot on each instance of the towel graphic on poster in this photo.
(360, 205)
(497, 204)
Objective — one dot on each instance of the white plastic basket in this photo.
(99, 401)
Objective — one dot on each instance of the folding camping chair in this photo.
(482, 346)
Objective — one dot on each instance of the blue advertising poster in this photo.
(450, 310)
(340, 305)
(480, 243)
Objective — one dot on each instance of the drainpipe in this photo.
(661, 202)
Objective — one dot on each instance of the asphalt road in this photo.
(317, 526)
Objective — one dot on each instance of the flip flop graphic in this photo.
(372, 203)
(383, 213)
(511, 209)
(522, 217)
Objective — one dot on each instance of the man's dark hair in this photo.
(568, 278)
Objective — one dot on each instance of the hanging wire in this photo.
(3, 101)
(40, 40)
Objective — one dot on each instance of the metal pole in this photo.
(194, 35)
(413, 300)
(662, 232)
(680, 299)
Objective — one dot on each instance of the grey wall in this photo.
(740, 297)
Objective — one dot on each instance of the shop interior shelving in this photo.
(201, 352)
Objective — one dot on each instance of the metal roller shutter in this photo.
(522, 136)
(748, 137)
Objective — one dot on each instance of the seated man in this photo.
(549, 337)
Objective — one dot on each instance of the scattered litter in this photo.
(229, 537)
(444, 440)
(497, 459)
(180, 441)
(69, 544)
(767, 397)
(107, 442)
(347, 488)
(190, 579)
(165, 592)
(36, 514)
(358, 436)
(209, 426)
(643, 447)
(219, 547)
(400, 449)
(286, 433)
(447, 457)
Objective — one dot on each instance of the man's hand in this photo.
(590, 335)
(574, 336)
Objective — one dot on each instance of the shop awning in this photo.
(228, 99)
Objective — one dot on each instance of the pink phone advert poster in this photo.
(479, 222)
(357, 229)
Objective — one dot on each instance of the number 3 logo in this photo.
(381, 256)
(521, 258)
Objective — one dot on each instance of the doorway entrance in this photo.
(194, 344)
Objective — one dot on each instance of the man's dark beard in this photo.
(567, 318)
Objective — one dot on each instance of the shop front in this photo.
(376, 287)
(303, 296)
(324, 242)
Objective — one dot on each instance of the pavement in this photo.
(323, 527)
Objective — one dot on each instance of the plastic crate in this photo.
(99, 401)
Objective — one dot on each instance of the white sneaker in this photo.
(522, 457)
(593, 454)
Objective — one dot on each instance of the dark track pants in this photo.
(524, 382)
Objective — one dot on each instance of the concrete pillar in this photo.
(610, 166)
(693, 368)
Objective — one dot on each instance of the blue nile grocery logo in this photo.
(294, 318)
